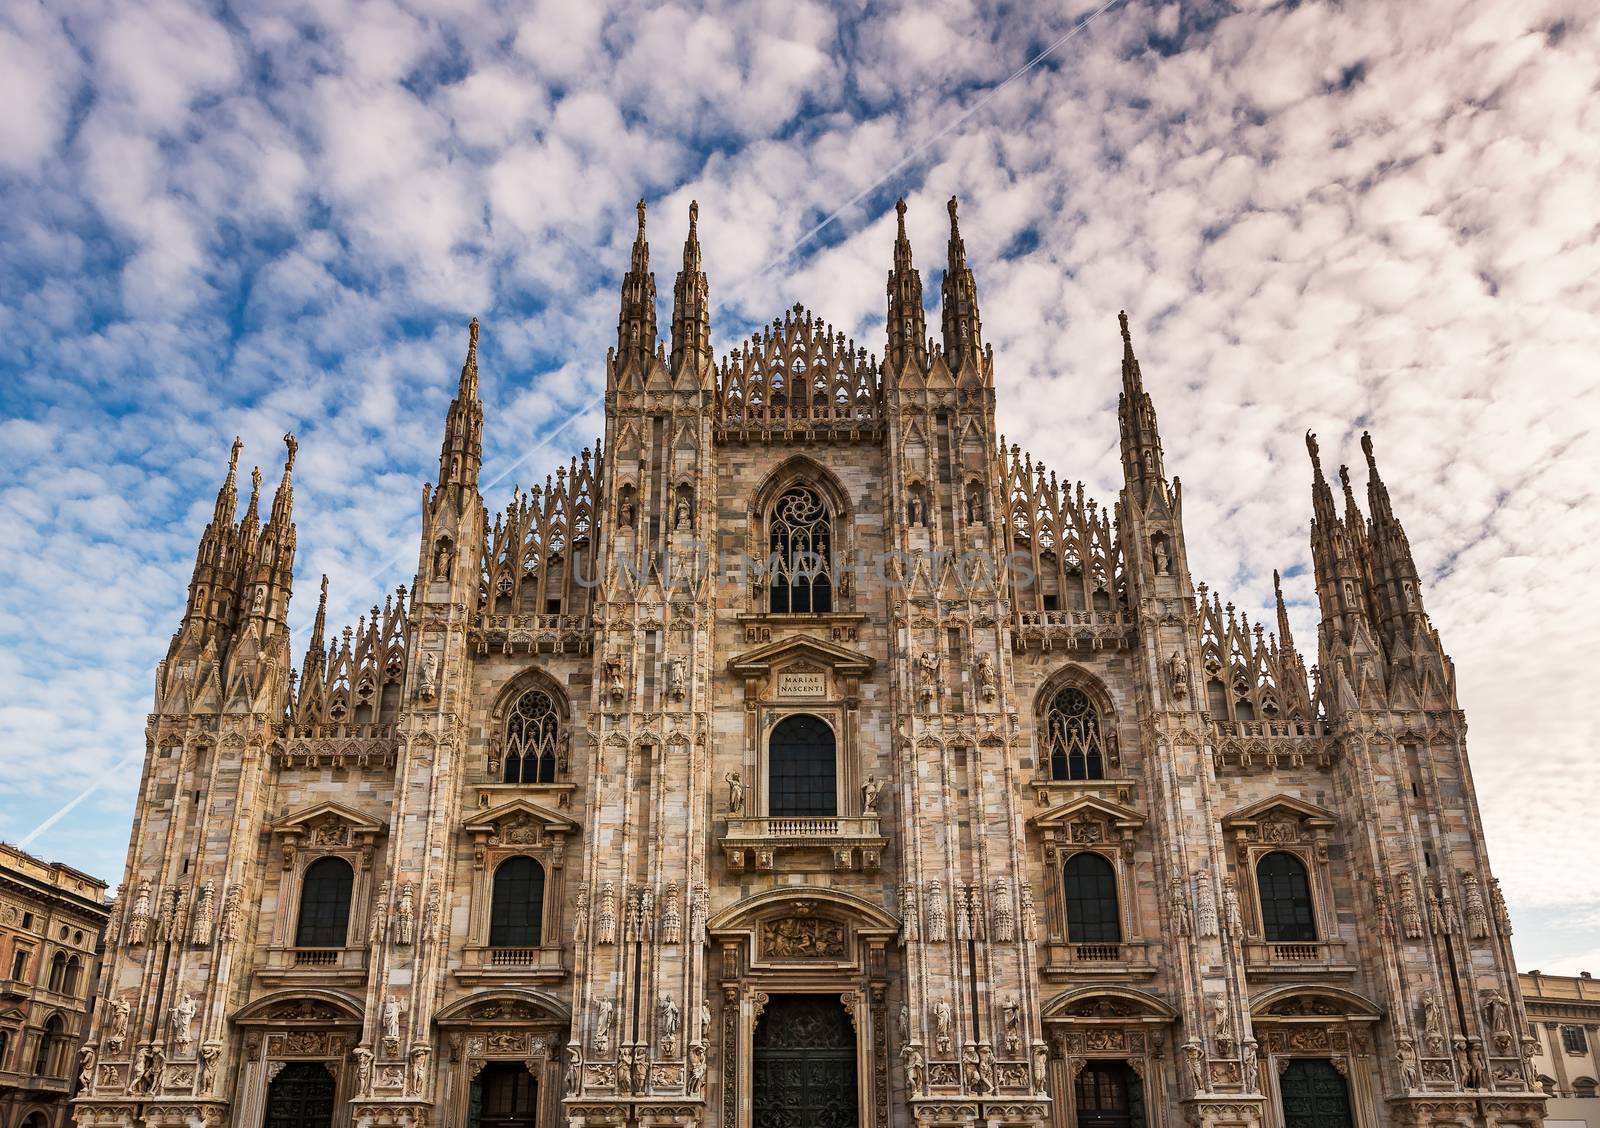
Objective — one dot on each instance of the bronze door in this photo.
(1314, 1095)
(805, 1064)
(301, 1096)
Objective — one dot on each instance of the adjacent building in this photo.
(51, 921)
(805, 755)
(1564, 1015)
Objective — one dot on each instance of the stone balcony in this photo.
(1268, 958)
(314, 966)
(1127, 959)
(803, 844)
(485, 966)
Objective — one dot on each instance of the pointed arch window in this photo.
(516, 914)
(531, 734)
(802, 769)
(800, 545)
(1090, 885)
(1074, 744)
(325, 904)
(1286, 912)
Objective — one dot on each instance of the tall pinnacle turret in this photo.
(1338, 558)
(461, 454)
(963, 330)
(907, 321)
(1142, 466)
(1396, 584)
(691, 303)
(636, 321)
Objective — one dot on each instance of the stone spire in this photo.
(907, 321)
(1142, 467)
(636, 323)
(963, 330)
(1396, 584)
(1337, 557)
(461, 455)
(691, 303)
(213, 585)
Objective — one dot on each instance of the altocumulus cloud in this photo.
(280, 215)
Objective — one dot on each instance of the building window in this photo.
(1583, 1087)
(19, 964)
(58, 970)
(531, 733)
(802, 769)
(5, 1046)
(800, 541)
(516, 914)
(325, 904)
(44, 1062)
(1073, 742)
(1286, 915)
(1573, 1040)
(69, 982)
(1090, 884)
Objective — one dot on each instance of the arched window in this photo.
(1091, 896)
(1583, 1087)
(800, 541)
(1286, 915)
(44, 1061)
(1073, 742)
(802, 768)
(531, 733)
(69, 982)
(325, 905)
(58, 970)
(516, 914)
(5, 1046)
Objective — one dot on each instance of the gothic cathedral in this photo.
(805, 758)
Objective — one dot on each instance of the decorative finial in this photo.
(694, 214)
(641, 215)
(293, 445)
(233, 459)
(1122, 320)
(322, 599)
(900, 215)
(952, 206)
(1315, 451)
(1344, 477)
(1366, 448)
(472, 336)
(255, 486)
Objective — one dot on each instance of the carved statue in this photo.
(671, 915)
(916, 1069)
(419, 1069)
(405, 915)
(1030, 917)
(442, 558)
(1011, 1010)
(1180, 908)
(697, 1069)
(669, 1025)
(1497, 1016)
(735, 794)
(869, 795)
(903, 1024)
(1004, 917)
(1233, 920)
(602, 1025)
(1178, 673)
(1205, 904)
(428, 681)
(606, 926)
(1498, 902)
(699, 912)
(682, 518)
(705, 1021)
(86, 1060)
(209, 1055)
(1472, 904)
(909, 922)
(1410, 911)
(167, 921)
(1252, 1066)
(147, 1066)
(986, 677)
(363, 1058)
(936, 911)
(182, 1021)
(390, 1018)
(1432, 1033)
(1222, 1014)
(230, 914)
(1438, 922)
(1193, 1058)
(929, 661)
(431, 916)
(1041, 1066)
(380, 916)
(574, 1074)
(941, 1026)
(614, 678)
(985, 1082)
(914, 509)
(1163, 558)
(119, 1024)
(678, 677)
(1406, 1061)
(204, 915)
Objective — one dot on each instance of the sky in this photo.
(281, 215)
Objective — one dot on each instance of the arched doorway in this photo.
(504, 1095)
(300, 1096)
(1108, 1094)
(1314, 1095)
(805, 1064)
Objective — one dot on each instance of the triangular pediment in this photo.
(322, 813)
(802, 648)
(1279, 805)
(522, 812)
(1088, 807)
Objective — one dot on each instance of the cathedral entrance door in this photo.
(300, 1096)
(1314, 1095)
(1108, 1094)
(805, 1064)
(504, 1095)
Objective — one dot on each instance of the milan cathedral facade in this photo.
(956, 802)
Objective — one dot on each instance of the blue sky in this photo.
(281, 216)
